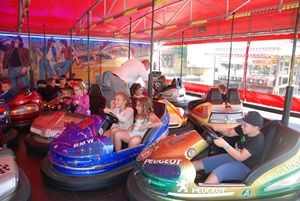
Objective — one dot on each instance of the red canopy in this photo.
(195, 20)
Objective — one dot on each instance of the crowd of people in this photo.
(131, 128)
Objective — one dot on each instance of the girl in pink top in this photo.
(80, 100)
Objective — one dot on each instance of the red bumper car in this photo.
(25, 107)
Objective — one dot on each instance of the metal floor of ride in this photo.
(30, 162)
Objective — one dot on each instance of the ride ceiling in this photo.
(175, 21)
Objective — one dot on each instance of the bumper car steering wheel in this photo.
(209, 134)
(111, 117)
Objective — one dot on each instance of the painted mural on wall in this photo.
(105, 56)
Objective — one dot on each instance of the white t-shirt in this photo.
(131, 70)
(138, 123)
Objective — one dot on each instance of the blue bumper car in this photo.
(80, 159)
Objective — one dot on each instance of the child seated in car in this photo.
(63, 82)
(6, 87)
(122, 108)
(80, 100)
(136, 90)
(223, 91)
(51, 90)
(67, 93)
(240, 158)
(161, 84)
(144, 120)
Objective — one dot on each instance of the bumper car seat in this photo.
(97, 100)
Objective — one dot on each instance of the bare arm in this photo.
(146, 82)
(155, 122)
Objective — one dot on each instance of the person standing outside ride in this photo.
(67, 63)
(128, 73)
(17, 60)
(47, 60)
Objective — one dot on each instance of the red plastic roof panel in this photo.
(195, 20)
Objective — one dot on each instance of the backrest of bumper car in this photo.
(97, 100)
(41, 90)
(41, 87)
(179, 81)
(133, 102)
(233, 96)
(214, 96)
(285, 144)
(174, 84)
(159, 110)
(41, 82)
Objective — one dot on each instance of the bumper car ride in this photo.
(164, 170)
(24, 108)
(213, 111)
(80, 159)
(46, 126)
(14, 184)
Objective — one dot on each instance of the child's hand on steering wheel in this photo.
(107, 110)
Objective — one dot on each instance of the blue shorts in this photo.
(225, 167)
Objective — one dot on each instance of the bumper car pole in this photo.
(44, 54)
(150, 80)
(230, 53)
(181, 63)
(290, 88)
(129, 41)
(29, 48)
(88, 48)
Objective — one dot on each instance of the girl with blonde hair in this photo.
(80, 100)
(144, 120)
(121, 107)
